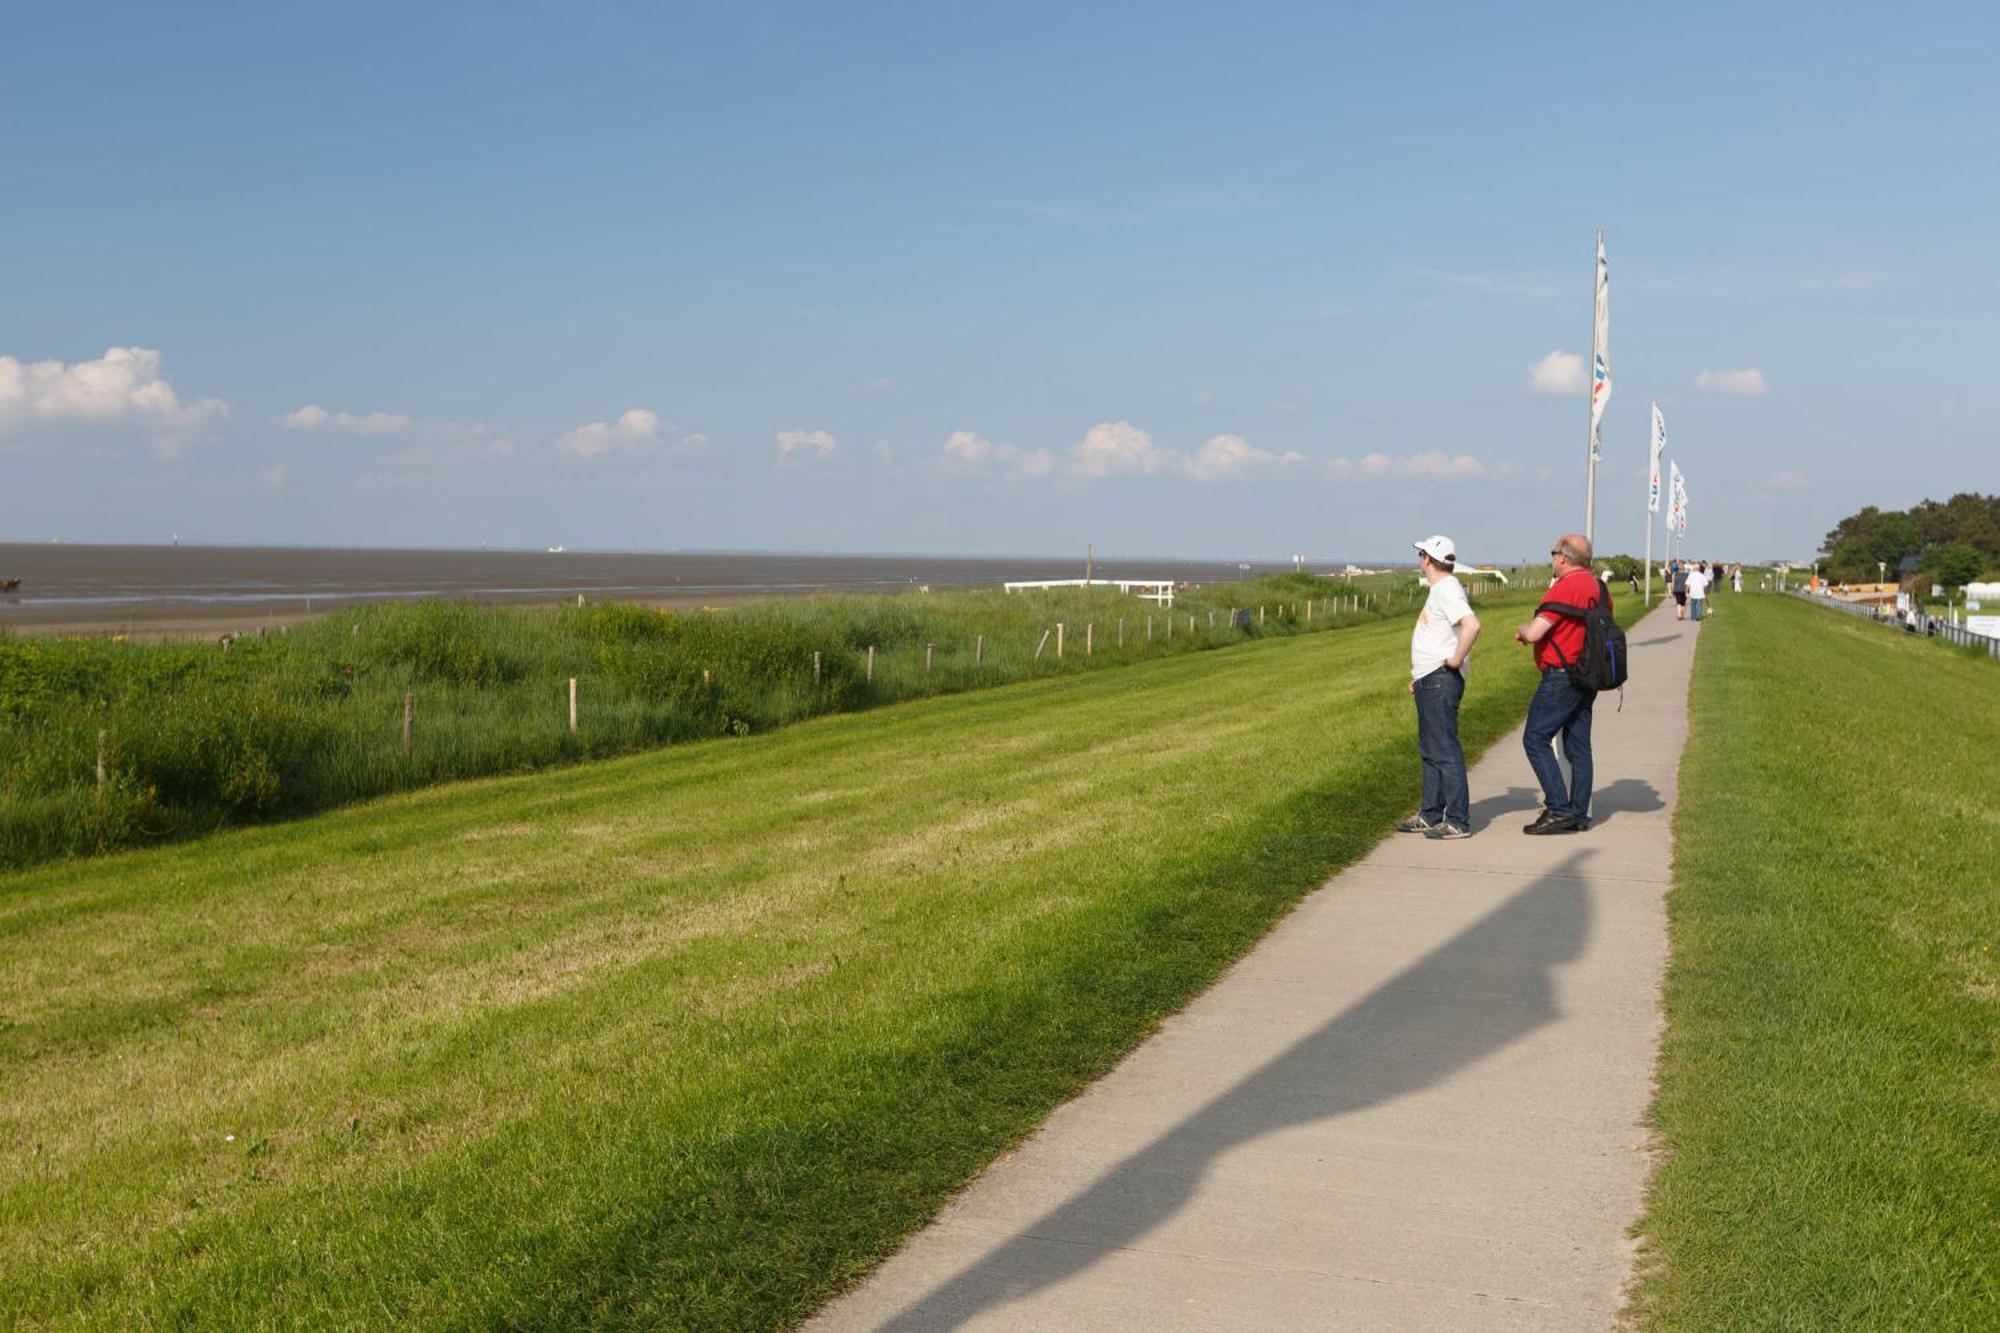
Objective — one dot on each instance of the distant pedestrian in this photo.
(1736, 579)
(1561, 706)
(1439, 647)
(1697, 589)
(1678, 576)
(1632, 581)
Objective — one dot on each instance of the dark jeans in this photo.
(1560, 707)
(1445, 796)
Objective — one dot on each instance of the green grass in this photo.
(196, 737)
(1829, 1099)
(688, 1039)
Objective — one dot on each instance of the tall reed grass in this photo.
(193, 735)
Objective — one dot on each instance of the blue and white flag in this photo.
(1600, 351)
(1659, 443)
(1677, 500)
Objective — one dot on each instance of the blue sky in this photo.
(1216, 281)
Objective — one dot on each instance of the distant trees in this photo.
(1956, 540)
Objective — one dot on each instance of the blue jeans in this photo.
(1437, 697)
(1560, 707)
(1695, 602)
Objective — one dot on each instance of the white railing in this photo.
(1929, 626)
(1153, 590)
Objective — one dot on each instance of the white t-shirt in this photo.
(1697, 584)
(1434, 639)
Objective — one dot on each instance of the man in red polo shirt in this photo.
(1559, 705)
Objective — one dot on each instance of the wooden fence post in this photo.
(927, 658)
(870, 677)
(102, 737)
(815, 668)
(1043, 644)
(1121, 631)
(572, 705)
(1059, 640)
(1149, 629)
(979, 650)
(1089, 637)
(409, 719)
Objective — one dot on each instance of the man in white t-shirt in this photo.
(1698, 589)
(1439, 647)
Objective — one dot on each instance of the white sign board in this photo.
(1983, 591)
(1987, 625)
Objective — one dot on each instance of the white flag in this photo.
(1659, 443)
(1678, 516)
(1600, 351)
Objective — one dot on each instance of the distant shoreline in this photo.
(205, 591)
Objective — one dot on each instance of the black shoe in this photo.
(1551, 822)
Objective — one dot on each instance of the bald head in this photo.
(1576, 546)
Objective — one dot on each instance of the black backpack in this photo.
(1602, 665)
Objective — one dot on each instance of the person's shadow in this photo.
(1409, 1033)
(1626, 795)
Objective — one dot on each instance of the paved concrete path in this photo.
(1416, 1105)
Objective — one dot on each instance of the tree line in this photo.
(1956, 541)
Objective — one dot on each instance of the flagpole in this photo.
(1590, 402)
(1649, 557)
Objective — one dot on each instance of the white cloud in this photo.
(1114, 449)
(806, 445)
(884, 454)
(1119, 448)
(1227, 456)
(122, 386)
(1785, 481)
(1429, 465)
(636, 431)
(1733, 383)
(272, 478)
(1558, 374)
(966, 451)
(346, 423)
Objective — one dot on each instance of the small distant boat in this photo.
(555, 550)
(1241, 565)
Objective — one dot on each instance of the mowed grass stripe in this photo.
(1829, 1097)
(687, 1039)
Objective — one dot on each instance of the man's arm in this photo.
(1535, 630)
(1468, 630)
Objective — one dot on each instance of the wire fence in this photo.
(1929, 626)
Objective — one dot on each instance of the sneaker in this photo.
(1551, 822)
(1448, 830)
(1414, 824)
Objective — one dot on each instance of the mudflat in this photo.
(186, 590)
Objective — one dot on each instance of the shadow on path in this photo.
(1474, 995)
(1625, 796)
(1515, 800)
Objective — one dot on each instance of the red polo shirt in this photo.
(1578, 588)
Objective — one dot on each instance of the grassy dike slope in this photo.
(1829, 1097)
(686, 1039)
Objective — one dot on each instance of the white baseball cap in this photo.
(1439, 548)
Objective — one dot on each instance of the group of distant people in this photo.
(1691, 580)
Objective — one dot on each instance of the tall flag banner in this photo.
(1659, 443)
(1677, 514)
(1600, 351)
